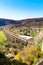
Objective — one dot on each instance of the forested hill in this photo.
(8, 21)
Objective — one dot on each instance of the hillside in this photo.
(34, 22)
(4, 22)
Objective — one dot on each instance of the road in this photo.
(14, 35)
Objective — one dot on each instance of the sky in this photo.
(21, 9)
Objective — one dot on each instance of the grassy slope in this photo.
(2, 36)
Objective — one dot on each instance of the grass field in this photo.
(2, 36)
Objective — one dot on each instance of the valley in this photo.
(22, 41)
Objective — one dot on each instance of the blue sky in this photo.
(21, 9)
